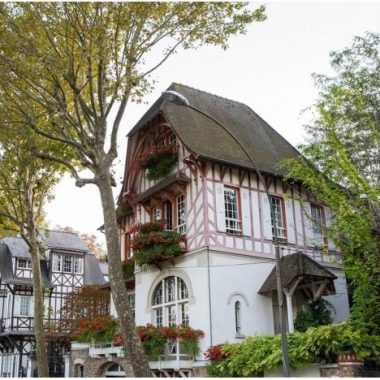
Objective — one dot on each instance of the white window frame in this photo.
(24, 310)
(171, 307)
(278, 211)
(232, 211)
(66, 257)
(78, 269)
(168, 215)
(316, 221)
(181, 214)
(157, 214)
(27, 265)
(57, 262)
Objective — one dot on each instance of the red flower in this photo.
(214, 353)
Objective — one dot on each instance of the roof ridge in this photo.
(65, 232)
(209, 93)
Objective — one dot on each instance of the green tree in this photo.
(341, 166)
(68, 71)
(25, 186)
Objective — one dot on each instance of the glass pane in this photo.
(157, 298)
(170, 289)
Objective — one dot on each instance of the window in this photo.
(170, 302)
(278, 215)
(232, 211)
(7, 365)
(156, 214)
(316, 216)
(168, 216)
(57, 263)
(181, 219)
(68, 264)
(172, 139)
(238, 317)
(78, 265)
(24, 306)
(128, 252)
(24, 264)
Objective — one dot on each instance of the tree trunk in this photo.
(39, 310)
(132, 343)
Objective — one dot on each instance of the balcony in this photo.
(25, 324)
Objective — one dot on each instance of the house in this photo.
(68, 265)
(184, 171)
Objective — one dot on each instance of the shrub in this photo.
(318, 344)
(153, 244)
(101, 329)
(317, 314)
(159, 161)
(128, 266)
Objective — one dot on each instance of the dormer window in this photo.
(67, 264)
(24, 264)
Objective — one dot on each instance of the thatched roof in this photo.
(295, 266)
(208, 140)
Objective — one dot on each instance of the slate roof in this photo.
(208, 140)
(93, 274)
(68, 241)
(294, 266)
(6, 273)
(57, 240)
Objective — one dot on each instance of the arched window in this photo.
(238, 317)
(171, 302)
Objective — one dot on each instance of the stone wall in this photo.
(94, 367)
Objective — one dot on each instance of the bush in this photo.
(318, 344)
(152, 244)
(159, 162)
(317, 314)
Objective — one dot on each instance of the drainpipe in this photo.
(209, 293)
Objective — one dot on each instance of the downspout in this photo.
(209, 293)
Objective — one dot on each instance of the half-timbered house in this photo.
(67, 265)
(204, 188)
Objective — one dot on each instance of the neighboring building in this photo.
(224, 281)
(67, 266)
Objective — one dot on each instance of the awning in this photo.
(299, 269)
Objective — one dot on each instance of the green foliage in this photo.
(154, 339)
(316, 314)
(341, 168)
(318, 344)
(159, 162)
(123, 210)
(128, 267)
(152, 244)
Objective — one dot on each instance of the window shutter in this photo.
(220, 208)
(329, 218)
(245, 212)
(308, 225)
(290, 230)
(267, 220)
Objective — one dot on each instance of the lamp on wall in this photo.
(180, 100)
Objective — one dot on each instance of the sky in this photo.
(269, 69)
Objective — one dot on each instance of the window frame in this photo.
(28, 263)
(77, 259)
(22, 306)
(239, 230)
(71, 264)
(237, 309)
(284, 234)
(57, 259)
(168, 216)
(181, 227)
(318, 235)
(164, 310)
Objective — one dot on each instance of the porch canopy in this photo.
(300, 272)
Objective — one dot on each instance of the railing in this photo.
(18, 323)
